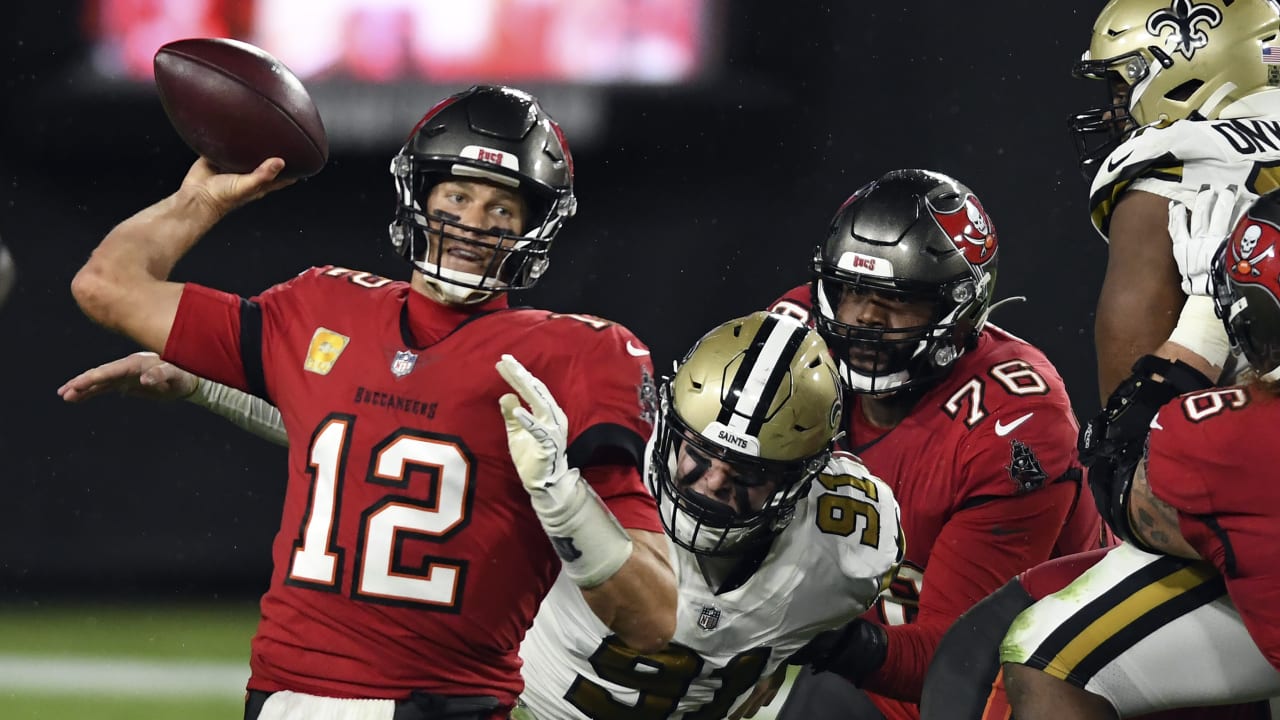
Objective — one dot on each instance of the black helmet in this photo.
(1246, 285)
(912, 234)
(492, 133)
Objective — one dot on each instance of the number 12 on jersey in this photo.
(318, 560)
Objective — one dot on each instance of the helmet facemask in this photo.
(744, 425)
(1179, 59)
(501, 137)
(706, 526)
(915, 237)
(1099, 131)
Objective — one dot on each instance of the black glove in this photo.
(853, 651)
(1113, 442)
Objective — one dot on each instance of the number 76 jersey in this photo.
(840, 551)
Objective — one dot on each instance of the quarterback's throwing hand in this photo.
(537, 436)
(1198, 230)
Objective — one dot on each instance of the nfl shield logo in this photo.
(709, 618)
(403, 363)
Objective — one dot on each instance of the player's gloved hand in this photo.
(1197, 232)
(537, 437)
(1113, 442)
(591, 544)
(853, 651)
(142, 374)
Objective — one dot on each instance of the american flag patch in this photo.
(1271, 55)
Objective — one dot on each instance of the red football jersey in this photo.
(985, 471)
(409, 557)
(1211, 457)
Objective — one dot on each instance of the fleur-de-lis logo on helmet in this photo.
(1182, 18)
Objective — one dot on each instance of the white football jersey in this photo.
(1175, 161)
(836, 556)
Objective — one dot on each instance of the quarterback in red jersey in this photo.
(970, 426)
(1185, 612)
(425, 506)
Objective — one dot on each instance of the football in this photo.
(236, 105)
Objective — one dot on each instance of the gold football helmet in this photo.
(760, 394)
(1165, 60)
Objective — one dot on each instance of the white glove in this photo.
(591, 544)
(1198, 231)
(537, 439)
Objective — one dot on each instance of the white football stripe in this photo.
(121, 676)
(766, 363)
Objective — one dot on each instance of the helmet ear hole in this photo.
(1183, 92)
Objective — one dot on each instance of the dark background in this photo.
(696, 205)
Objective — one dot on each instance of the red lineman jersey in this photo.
(986, 473)
(409, 557)
(1211, 456)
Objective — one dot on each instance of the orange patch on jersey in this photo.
(326, 347)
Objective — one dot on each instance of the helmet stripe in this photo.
(764, 366)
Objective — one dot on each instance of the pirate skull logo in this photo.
(1181, 20)
(970, 228)
(1245, 255)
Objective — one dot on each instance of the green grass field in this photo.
(126, 662)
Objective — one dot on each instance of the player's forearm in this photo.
(246, 411)
(1124, 335)
(1141, 292)
(137, 256)
(910, 649)
(639, 601)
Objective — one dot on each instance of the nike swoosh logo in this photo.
(634, 351)
(1111, 166)
(1155, 424)
(1002, 429)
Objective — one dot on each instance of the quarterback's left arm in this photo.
(144, 374)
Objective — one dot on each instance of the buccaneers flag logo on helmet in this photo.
(1252, 246)
(970, 228)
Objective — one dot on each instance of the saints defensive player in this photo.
(776, 538)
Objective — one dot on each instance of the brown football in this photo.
(237, 105)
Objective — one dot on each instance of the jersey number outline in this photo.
(1017, 377)
(661, 680)
(901, 603)
(1204, 405)
(316, 560)
(838, 514)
